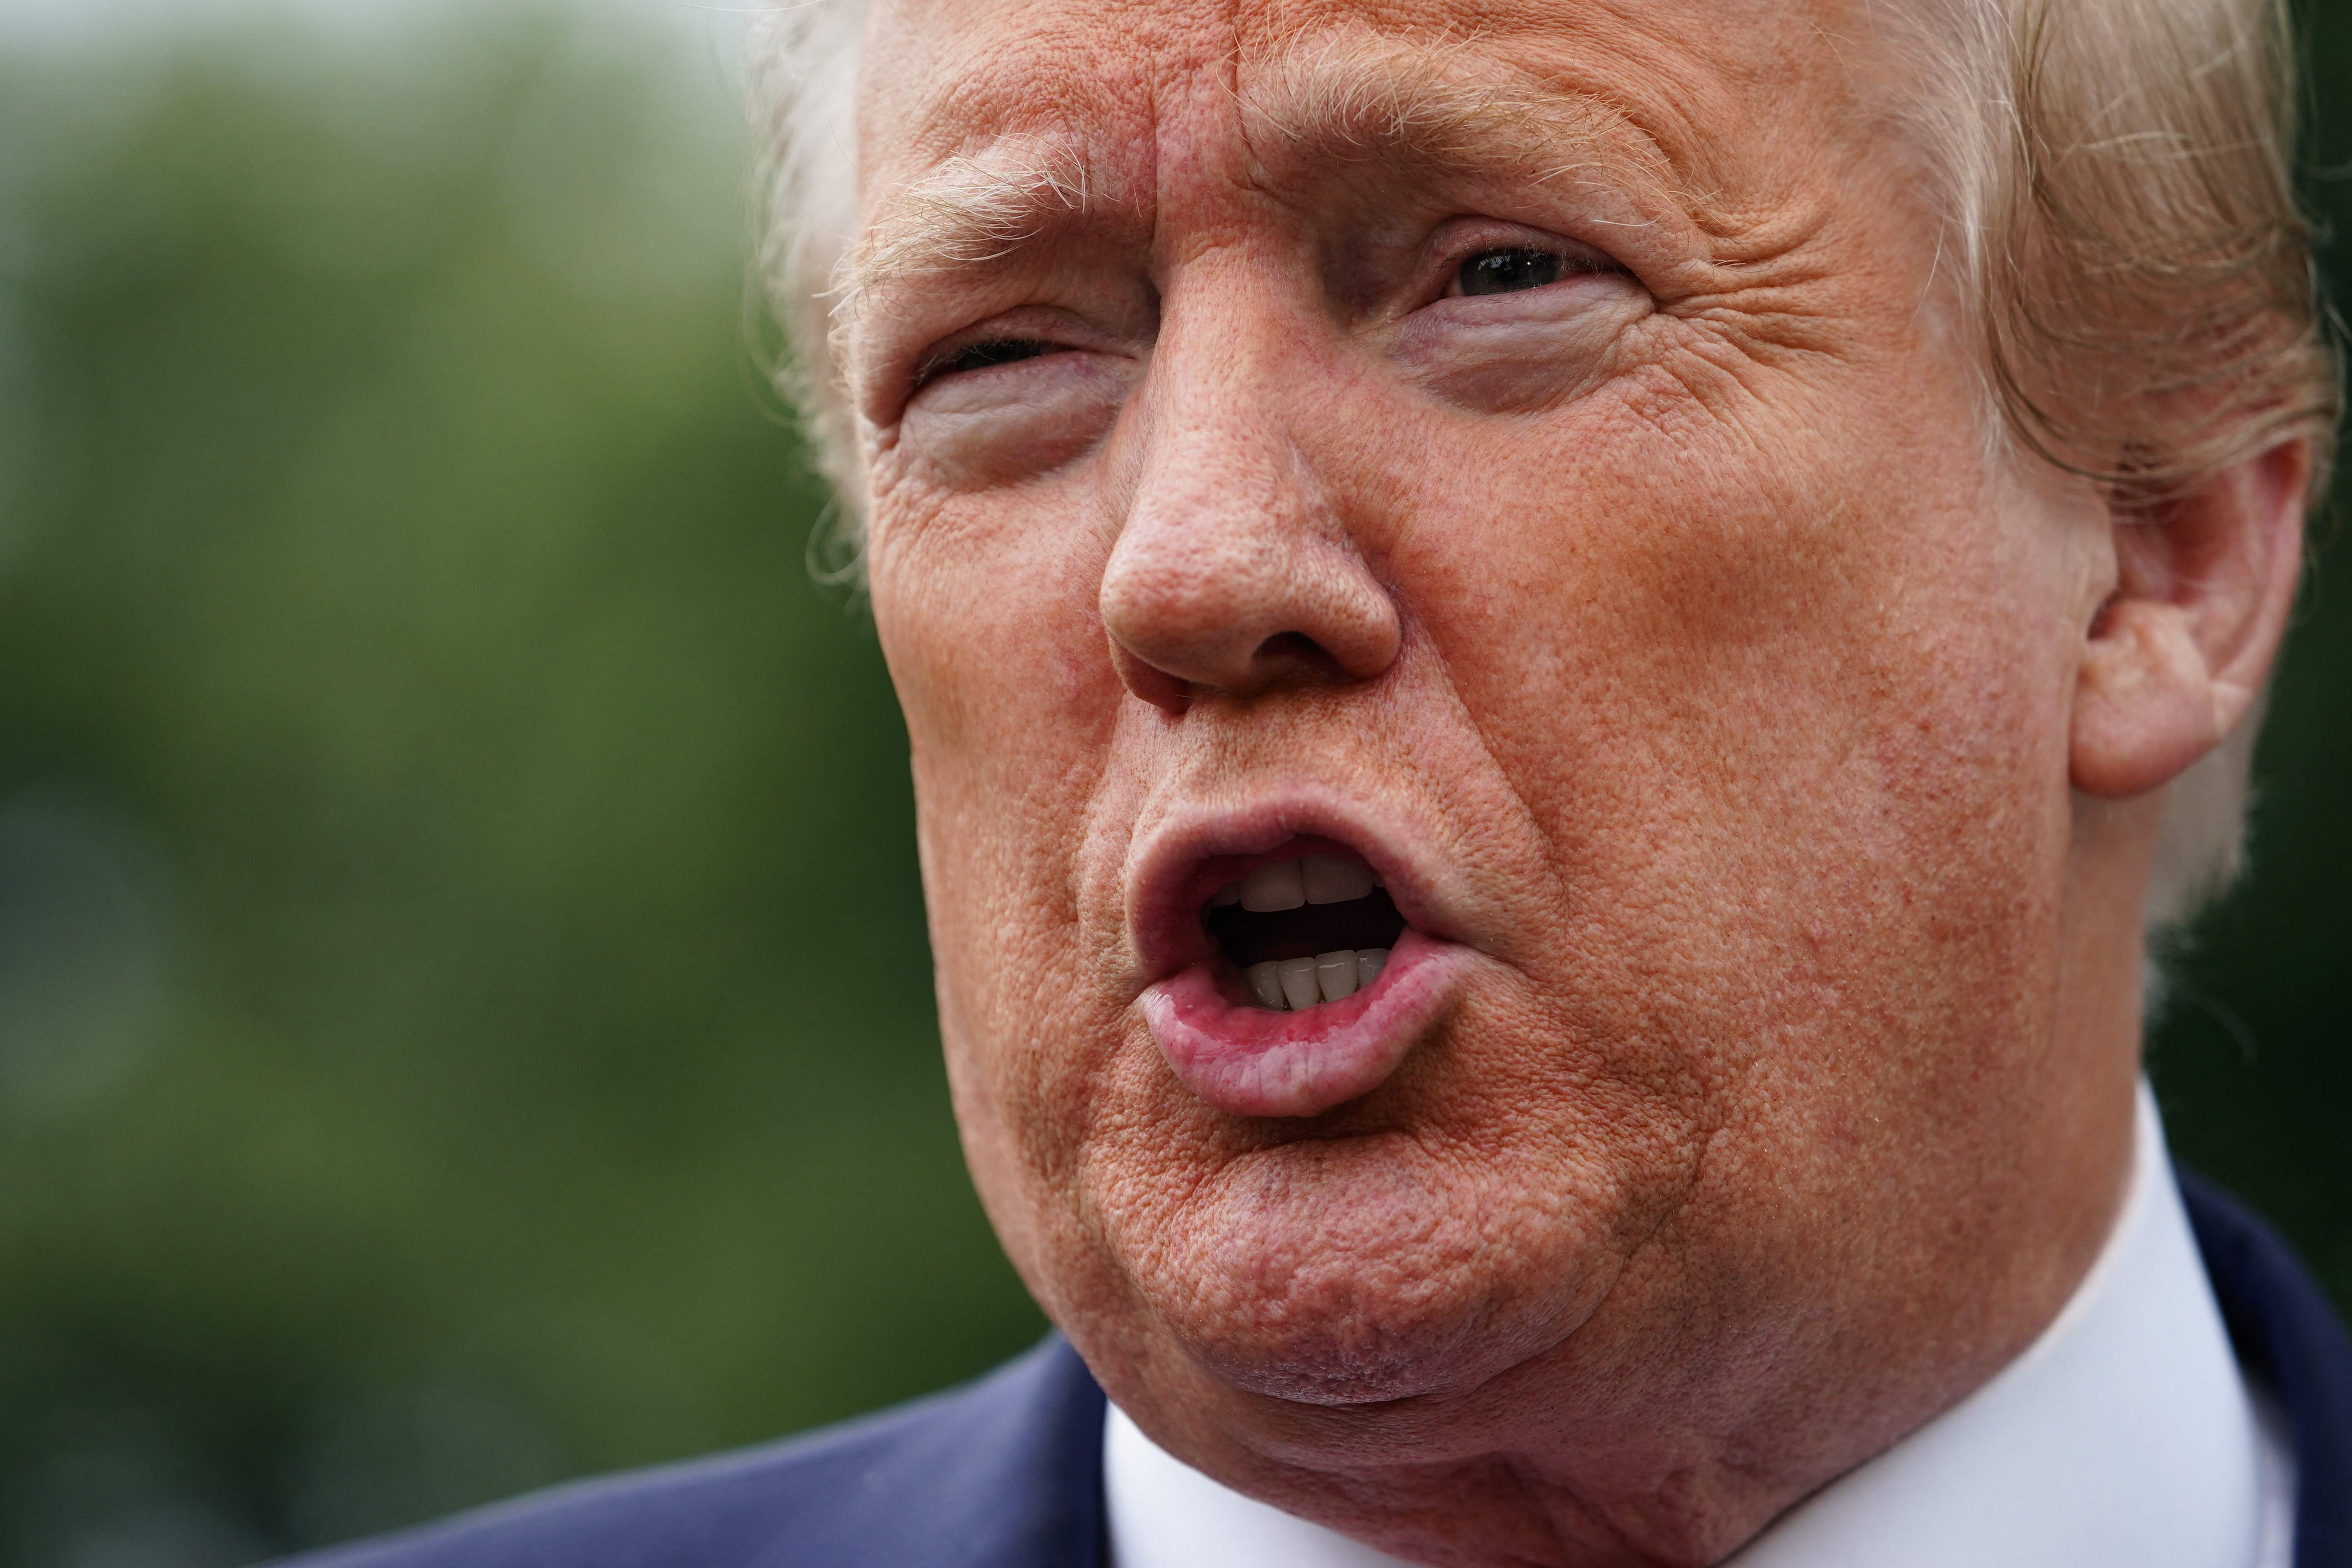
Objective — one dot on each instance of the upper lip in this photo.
(1181, 861)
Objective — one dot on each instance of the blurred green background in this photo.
(465, 1018)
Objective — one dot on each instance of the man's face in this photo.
(1524, 449)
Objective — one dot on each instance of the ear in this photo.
(2178, 652)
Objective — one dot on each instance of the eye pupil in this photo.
(1508, 271)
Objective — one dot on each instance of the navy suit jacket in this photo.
(1007, 1472)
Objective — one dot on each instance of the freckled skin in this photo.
(1677, 624)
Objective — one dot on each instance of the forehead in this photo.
(1715, 86)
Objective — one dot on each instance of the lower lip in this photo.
(1254, 1061)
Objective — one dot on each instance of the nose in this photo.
(1234, 570)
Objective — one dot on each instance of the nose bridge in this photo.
(1220, 455)
(1236, 563)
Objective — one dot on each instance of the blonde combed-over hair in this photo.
(2118, 184)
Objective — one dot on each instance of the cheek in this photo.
(1787, 719)
(986, 608)
(986, 612)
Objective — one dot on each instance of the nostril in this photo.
(1294, 645)
(1296, 653)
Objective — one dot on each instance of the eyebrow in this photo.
(1362, 98)
(971, 210)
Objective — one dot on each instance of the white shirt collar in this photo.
(2124, 1434)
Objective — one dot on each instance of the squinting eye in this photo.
(1508, 271)
(982, 356)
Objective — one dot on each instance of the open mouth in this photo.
(1290, 980)
(1306, 930)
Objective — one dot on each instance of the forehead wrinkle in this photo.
(1446, 105)
(1027, 129)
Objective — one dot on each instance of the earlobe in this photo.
(2144, 706)
(2176, 655)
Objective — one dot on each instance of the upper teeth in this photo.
(1287, 884)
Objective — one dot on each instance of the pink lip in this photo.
(1253, 1062)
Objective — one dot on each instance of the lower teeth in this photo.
(1293, 984)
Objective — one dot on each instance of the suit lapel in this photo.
(2286, 1334)
(1005, 1474)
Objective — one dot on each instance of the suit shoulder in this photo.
(864, 1492)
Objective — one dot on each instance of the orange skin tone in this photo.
(1790, 774)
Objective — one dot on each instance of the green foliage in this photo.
(465, 1016)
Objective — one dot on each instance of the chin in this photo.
(1350, 1358)
(1342, 1273)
